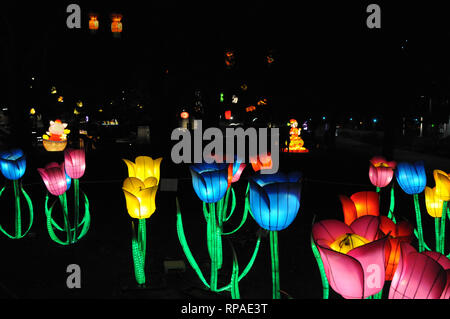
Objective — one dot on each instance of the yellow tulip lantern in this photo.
(140, 193)
(436, 201)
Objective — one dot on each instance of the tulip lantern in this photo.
(116, 25)
(13, 166)
(261, 162)
(58, 179)
(212, 182)
(412, 179)
(274, 203)
(353, 256)
(140, 193)
(423, 275)
(397, 233)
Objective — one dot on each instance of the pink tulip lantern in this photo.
(423, 275)
(381, 173)
(353, 256)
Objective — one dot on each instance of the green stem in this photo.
(137, 251)
(235, 276)
(244, 218)
(63, 201)
(437, 230)
(378, 189)
(419, 222)
(323, 276)
(392, 205)
(275, 265)
(18, 221)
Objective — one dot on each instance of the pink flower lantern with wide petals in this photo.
(54, 178)
(352, 255)
(420, 275)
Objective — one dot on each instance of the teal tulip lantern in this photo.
(274, 203)
(13, 166)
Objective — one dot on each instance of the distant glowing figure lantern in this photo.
(55, 139)
(93, 23)
(228, 115)
(295, 141)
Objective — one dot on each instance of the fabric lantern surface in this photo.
(261, 162)
(420, 275)
(411, 177)
(13, 164)
(210, 180)
(360, 204)
(397, 233)
(275, 199)
(75, 162)
(360, 271)
(433, 202)
(54, 177)
(381, 171)
(238, 168)
(140, 196)
(144, 167)
(442, 180)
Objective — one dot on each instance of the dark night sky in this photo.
(326, 56)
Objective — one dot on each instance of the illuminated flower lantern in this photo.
(212, 181)
(397, 233)
(353, 256)
(55, 140)
(274, 203)
(140, 192)
(412, 179)
(116, 25)
(420, 275)
(360, 204)
(229, 59)
(13, 165)
(57, 180)
(381, 171)
(295, 141)
(93, 23)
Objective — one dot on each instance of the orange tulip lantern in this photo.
(116, 25)
(360, 204)
(93, 23)
(400, 232)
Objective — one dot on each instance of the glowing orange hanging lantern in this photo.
(228, 115)
(250, 108)
(93, 23)
(184, 115)
(116, 24)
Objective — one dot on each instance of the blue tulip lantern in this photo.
(13, 166)
(274, 203)
(412, 179)
(212, 184)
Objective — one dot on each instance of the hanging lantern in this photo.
(32, 111)
(228, 115)
(229, 59)
(250, 108)
(116, 24)
(93, 23)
